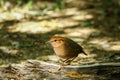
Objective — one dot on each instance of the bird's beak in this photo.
(47, 42)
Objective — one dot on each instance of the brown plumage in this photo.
(66, 48)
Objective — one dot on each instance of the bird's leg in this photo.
(65, 62)
(61, 62)
(69, 60)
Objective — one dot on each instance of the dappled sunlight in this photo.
(82, 15)
(42, 26)
(63, 23)
(11, 16)
(115, 46)
(26, 26)
(99, 41)
(80, 32)
(65, 12)
(33, 27)
(17, 15)
(3, 16)
(84, 22)
(71, 11)
(8, 51)
(106, 44)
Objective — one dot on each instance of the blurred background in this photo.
(25, 26)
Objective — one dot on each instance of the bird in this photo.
(66, 49)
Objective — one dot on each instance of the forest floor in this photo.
(23, 32)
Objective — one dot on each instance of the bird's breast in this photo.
(64, 52)
(61, 52)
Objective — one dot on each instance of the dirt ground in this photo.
(93, 25)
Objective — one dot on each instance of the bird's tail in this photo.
(84, 53)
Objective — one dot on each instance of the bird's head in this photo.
(57, 41)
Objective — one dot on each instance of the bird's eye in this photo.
(55, 40)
